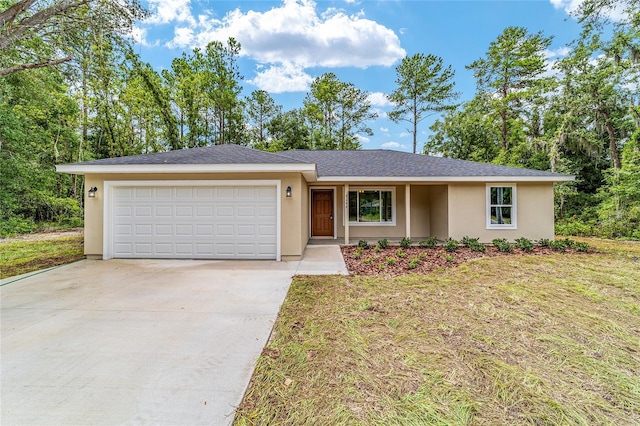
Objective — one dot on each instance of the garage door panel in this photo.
(195, 222)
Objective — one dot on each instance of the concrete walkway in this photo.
(140, 341)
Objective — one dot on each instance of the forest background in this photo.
(73, 89)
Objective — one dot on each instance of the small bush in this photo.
(474, 244)
(451, 245)
(378, 248)
(367, 261)
(559, 245)
(16, 225)
(422, 256)
(357, 254)
(405, 242)
(544, 242)
(391, 260)
(363, 244)
(581, 247)
(383, 243)
(502, 245)
(524, 244)
(400, 253)
(448, 258)
(381, 266)
(430, 242)
(413, 263)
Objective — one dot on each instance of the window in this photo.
(501, 206)
(372, 206)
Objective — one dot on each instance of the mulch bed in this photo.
(375, 263)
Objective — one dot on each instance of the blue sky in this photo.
(287, 43)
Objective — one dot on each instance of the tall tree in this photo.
(512, 73)
(337, 113)
(56, 23)
(425, 87)
(261, 109)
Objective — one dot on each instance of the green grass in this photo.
(20, 257)
(510, 340)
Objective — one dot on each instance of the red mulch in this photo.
(435, 258)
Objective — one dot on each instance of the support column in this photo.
(407, 206)
(345, 214)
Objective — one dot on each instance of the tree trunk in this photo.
(613, 148)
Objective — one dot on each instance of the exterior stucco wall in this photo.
(534, 210)
(439, 211)
(420, 212)
(291, 208)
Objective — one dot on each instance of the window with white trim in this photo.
(372, 206)
(501, 206)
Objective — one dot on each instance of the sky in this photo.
(286, 44)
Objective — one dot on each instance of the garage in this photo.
(191, 220)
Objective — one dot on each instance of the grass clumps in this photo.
(507, 340)
(23, 256)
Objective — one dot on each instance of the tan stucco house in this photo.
(233, 202)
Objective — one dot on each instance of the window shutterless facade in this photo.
(501, 206)
(372, 206)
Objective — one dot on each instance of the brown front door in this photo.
(322, 213)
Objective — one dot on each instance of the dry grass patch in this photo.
(22, 256)
(523, 340)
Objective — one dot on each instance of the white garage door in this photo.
(194, 222)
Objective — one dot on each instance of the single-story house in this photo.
(233, 202)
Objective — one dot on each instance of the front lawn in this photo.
(22, 256)
(545, 339)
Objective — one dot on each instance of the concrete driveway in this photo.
(135, 341)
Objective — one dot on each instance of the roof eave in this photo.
(309, 170)
(425, 179)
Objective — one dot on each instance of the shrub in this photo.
(363, 244)
(16, 225)
(473, 244)
(524, 244)
(451, 245)
(581, 247)
(357, 254)
(367, 261)
(573, 226)
(391, 260)
(502, 245)
(448, 258)
(405, 242)
(400, 253)
(383, 243)
(381, 266)
(413, 263)
(422, 256)
(544, 242)
(430, 242)
(378, 248)
(559, 245)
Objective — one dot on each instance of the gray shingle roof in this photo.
(385, 163)
(217, 154)
(346, 164)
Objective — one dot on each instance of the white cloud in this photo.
(384, 129)
(393, 145)
(139, 36)
(166, 11)
(183, 37)
(280, 78)
(378, 99)
(557, 53)
(296, 32)
(405, 134)
(616, 14)
(363, 139)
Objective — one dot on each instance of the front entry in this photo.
(322, 212)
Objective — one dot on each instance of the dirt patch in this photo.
(392, 262)
(45, 235)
